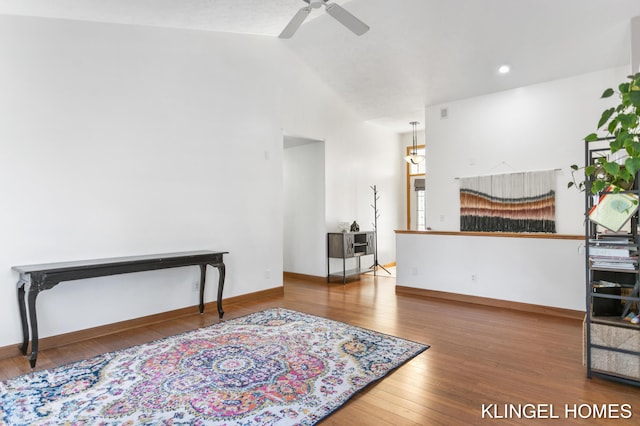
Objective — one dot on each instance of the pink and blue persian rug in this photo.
(275, 367)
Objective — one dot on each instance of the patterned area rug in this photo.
(275, 367)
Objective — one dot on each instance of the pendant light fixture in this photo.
(413, 157)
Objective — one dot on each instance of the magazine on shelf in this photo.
(614, 266)
(622, 251)
(610, 262)
(613, 209)
(613, 238)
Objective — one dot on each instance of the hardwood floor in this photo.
(479, 355)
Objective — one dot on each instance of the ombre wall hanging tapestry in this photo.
(512, 202)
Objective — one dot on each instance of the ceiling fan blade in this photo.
(295, 23)
(347, 19)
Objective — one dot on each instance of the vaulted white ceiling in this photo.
(417, 53)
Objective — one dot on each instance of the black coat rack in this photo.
(376, 215)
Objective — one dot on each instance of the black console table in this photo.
(37, 278)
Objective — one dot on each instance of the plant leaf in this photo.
(634, 97)
(612, 168)
(606, 115)
(633, 148)
(616, 144)
(598, 186)
(591, 137)
(627, 121)
(632, 165)
(607, 93)
(625, 175)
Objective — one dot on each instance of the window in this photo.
(416, 215)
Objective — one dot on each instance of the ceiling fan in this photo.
(336, 11)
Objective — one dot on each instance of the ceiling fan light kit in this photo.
(336, 11)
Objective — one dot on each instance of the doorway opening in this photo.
(304, 239)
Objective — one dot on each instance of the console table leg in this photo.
(203, 277)
(222, 271)
(33, 293)
(23, 317)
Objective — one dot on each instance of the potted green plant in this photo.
(622, 126)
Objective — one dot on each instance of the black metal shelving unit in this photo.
(612, 345)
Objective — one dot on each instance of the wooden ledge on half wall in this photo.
(495, 234)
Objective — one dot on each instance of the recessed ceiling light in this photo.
(504, 69)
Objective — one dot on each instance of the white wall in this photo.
(537, 127)
(526, 270)
(635, 45)
(305, 247)
(122, 140)
(354, 165)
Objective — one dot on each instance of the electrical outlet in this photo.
(474, 278)
(267, 274)
(196, 286)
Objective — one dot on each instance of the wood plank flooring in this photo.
(479, 355)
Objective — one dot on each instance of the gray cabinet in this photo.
(346, 246)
